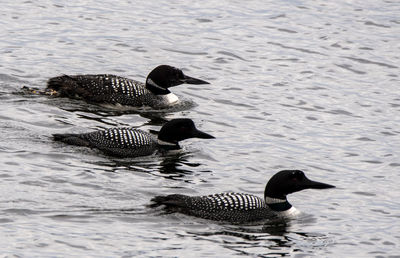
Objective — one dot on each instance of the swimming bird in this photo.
(120, 91)
(241, 208)
(131, 142)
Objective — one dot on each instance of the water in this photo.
(311, 85)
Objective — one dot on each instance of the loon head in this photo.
(164, 76)
(286, 182)
(179, 129)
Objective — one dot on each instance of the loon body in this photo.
(116, 90)
(244, 208)
(130, 142)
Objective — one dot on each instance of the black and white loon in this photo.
(244, 208)
(130, 142)
(116, 90)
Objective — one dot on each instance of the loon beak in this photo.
(191, 80)
(202, 135)
(309, 184)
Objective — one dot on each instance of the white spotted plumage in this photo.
(235, 201)
(121, 137)
(120, 93)
(124, 90)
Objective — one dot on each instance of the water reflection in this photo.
(173, 165)
(279, 229)
(249, 232)
(243, 243)
(273, 238)
(106, 110)
(152, 119)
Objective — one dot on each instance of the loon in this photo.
(241, 208)
(130, 142)
(116, 90)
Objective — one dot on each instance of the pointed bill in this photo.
(202, 135)
(309, 184)
(191, 80)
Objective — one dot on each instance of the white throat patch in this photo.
(292, 212)
(171, 98)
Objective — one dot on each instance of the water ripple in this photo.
(296, 48)
(294, 85)
(365, 61)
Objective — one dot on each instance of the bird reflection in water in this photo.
(276, 237)
(173, 165)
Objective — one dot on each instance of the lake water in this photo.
(310, 85)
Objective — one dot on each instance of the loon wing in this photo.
(84, 86)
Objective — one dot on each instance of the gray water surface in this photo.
(310, 85)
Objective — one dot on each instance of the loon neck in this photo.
(276, 204)
(167, 145)
(155, 88)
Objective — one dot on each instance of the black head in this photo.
(180, 129)
(289, 181)
(164, 76)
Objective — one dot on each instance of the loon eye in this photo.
(299, 175)
(296, 175)
(178, 73)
